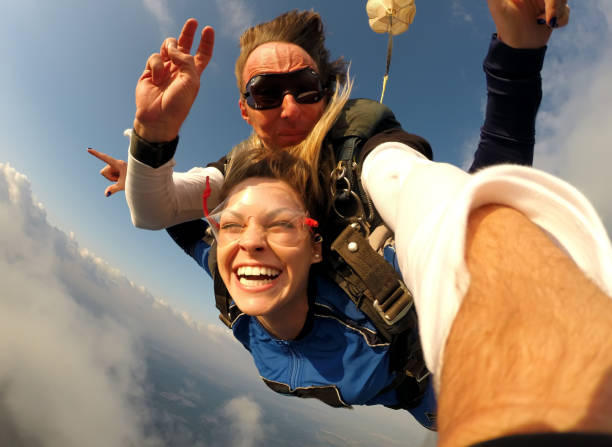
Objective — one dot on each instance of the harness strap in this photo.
(388, 300)
(222, 296)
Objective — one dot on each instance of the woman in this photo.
(306, 336)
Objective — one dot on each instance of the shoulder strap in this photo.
(359, 120)
(371, 282)
(362, 118)
(222, 298)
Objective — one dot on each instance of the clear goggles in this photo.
(267, 90)
(282, 226)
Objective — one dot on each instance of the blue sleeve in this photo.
(514, 92)
(189, 236)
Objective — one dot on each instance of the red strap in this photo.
(205, 196)
(311, 222)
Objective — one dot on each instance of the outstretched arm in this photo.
(514, 85)
(159, 198)
(530, 348)
(505, 308)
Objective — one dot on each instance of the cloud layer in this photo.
(76, 337)
(574, 125)
(67, 376)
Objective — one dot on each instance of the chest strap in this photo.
(371, 282)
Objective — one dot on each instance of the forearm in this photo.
(428, 204)
(157, 196)
(514, 92)
(530, 348)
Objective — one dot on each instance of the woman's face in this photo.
(264, 250)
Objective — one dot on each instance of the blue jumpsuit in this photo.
(338, 358)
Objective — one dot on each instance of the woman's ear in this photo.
(317, 249)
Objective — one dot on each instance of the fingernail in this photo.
(553, 22)
(108, 193)
(541, 22)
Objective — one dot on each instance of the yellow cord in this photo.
(382, 95)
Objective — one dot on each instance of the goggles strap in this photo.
(311, 222)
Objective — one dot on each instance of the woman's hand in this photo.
(528, 23)
(115, 171)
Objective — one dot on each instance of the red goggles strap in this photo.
(205, 195)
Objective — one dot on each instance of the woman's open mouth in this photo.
(252, 276)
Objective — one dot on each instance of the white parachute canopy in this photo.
(390, 16)
(393, 17)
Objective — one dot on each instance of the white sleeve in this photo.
(159, 198)
(427, 204)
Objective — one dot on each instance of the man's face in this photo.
(291, 122)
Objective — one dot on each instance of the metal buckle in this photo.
(390, 302)
(337, 176)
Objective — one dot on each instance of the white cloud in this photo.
(159, 9)
(73, 337)
(574, 127)
(236, 16)
(246, 426)
(67, 377)
(459, 11)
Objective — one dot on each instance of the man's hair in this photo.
(302, 28)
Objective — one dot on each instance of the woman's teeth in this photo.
(256, 276)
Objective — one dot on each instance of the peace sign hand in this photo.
(170, 82)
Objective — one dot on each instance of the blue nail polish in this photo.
(541, 22)
(553, 22)
(108, 193)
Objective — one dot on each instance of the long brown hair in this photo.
(281, 165)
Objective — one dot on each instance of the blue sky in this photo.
(70, 84)
(70, 70)
(68, 75)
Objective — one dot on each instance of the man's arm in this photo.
(170, 82)
(530, 349)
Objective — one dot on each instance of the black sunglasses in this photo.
(267, 90)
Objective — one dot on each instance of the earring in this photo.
(317, 238)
